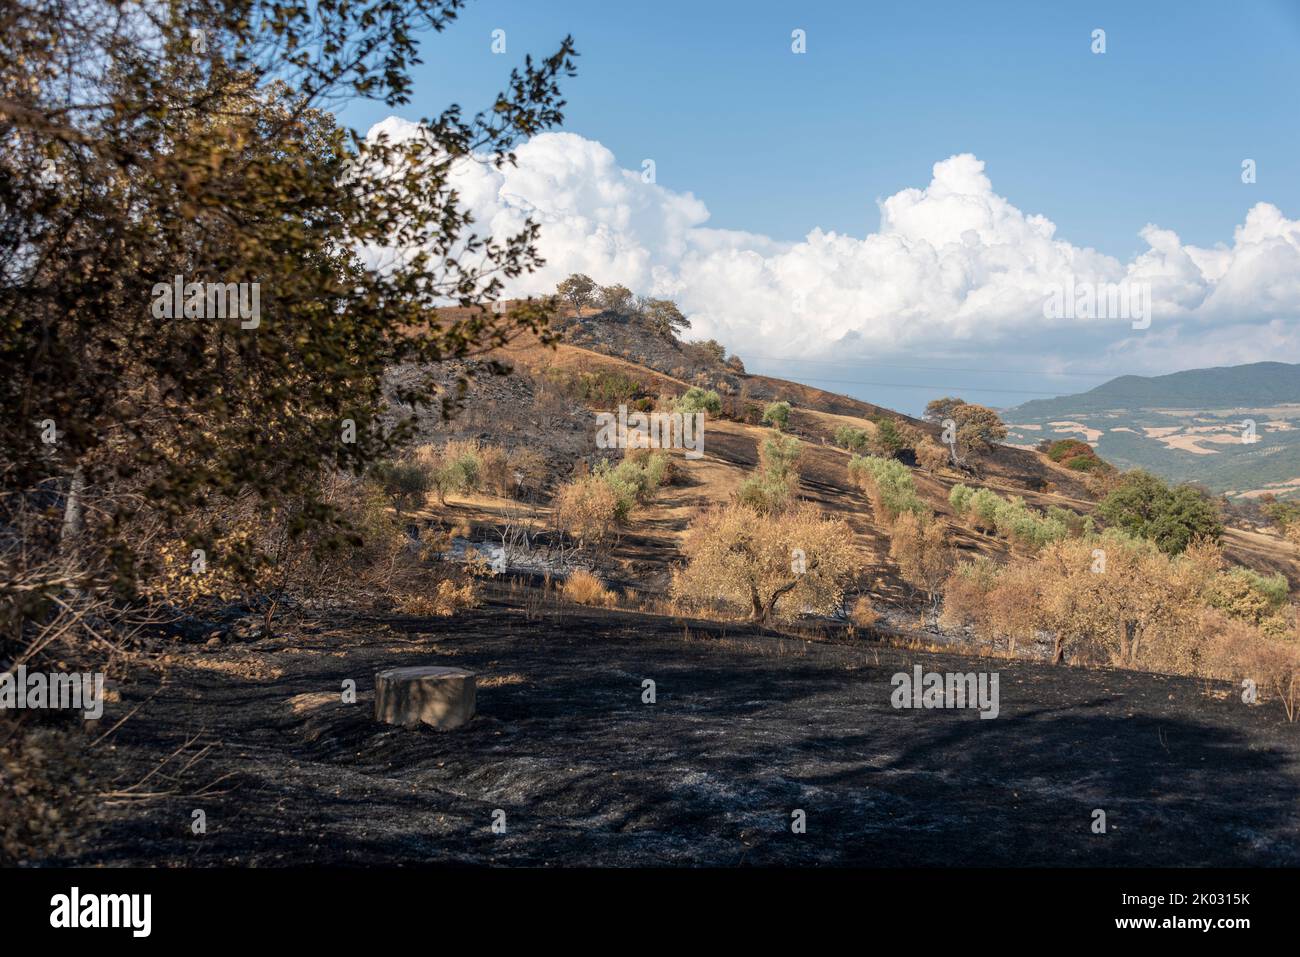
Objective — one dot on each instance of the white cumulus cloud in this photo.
(953, 268)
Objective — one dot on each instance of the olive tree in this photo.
(773, 564)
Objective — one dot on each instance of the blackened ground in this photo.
(745, 730)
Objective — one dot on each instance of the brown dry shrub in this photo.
(586, 510)
(362, 556)
(920, 548)
(1226, 642)
(1013, 603)
(966, 595)
(518, 473)
(45, 792)
(1106, 599)
(462, 448)
(863, 614)
(494, 474)
(1277, 664)
(1236, 650)
(584, 588)
(450, 597)
(528, 472)
(930, 455)
(1102, 482)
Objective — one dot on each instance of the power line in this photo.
(831, 362)
(934, 388)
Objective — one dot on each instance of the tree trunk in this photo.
(74, 524)
(763, 610)
(74, 514)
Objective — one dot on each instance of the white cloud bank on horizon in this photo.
(953, 269)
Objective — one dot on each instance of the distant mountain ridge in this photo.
(1256, 385)
(1235, 429)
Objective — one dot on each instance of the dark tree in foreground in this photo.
(195, 307)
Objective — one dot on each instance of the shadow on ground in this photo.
(744, 731)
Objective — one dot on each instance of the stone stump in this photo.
(439, 697)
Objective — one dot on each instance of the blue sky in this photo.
(1152, 131)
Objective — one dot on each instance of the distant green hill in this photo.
(1257, 385)
(1187, 426)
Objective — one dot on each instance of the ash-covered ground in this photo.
(745, 730)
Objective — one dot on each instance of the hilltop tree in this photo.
(664, 317)
(616, 299)
(976, 429)
(578, 290)
(939, 409)
(713, 350)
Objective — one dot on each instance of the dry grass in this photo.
(251, 666)
(585, 588)
(445, 602)
(313, 701)
(863, 613)
(789, 647)
(498, 681)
